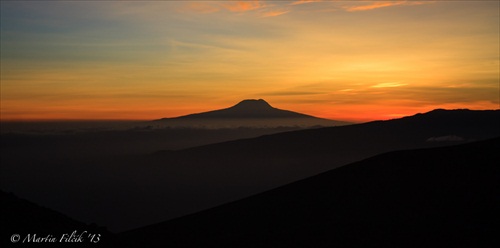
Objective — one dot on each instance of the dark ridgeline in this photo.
(293, 155)
(126, 192)
(22, 217)
(439, 197)
(249, 113)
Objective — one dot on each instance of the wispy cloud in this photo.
(382, 4)
(274, 13)
(261, 7)
(290, 93)
(243, 6)
(304, 2)
(374, 5)
(388, 85)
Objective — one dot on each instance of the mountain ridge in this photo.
(22, 217)
(248, 108)
(382, 201)
(179, 182)
(250, 112)
(454, 120)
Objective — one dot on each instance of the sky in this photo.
(344, 60)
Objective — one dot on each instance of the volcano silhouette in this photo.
(249, 108)
(252, 112)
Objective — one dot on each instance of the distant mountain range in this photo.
(126, 192)
(233, 169)
(249, 113)
(440, 197)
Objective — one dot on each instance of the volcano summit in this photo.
(249, 113)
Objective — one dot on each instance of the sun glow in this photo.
(354, 61)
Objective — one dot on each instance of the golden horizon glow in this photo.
(353, 61)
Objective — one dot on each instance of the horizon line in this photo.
(46, 120)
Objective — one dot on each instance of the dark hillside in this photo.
(440, 197)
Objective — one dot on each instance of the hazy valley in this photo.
(101, 176)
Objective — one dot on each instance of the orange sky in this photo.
(343, 60)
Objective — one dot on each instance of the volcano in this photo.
(249, 108)
(250, 113)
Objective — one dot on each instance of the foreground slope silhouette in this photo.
(439, 197)
(22, 217)
(126, 192)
